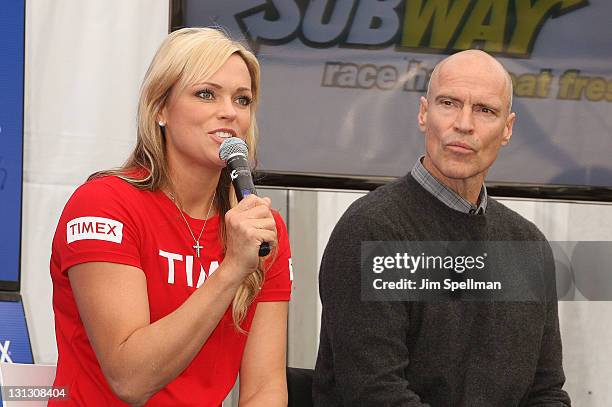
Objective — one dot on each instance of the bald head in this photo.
(475, 62)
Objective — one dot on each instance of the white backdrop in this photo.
(85, 60)
(84, 64)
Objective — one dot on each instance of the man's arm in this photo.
(547, 387)
(367, 340)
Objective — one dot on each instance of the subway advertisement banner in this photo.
(341, 80)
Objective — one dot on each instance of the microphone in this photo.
(234, 152)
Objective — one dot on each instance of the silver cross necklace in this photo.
(196, 242)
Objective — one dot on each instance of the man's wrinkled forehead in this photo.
(474, 63)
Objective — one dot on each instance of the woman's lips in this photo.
(222, 134)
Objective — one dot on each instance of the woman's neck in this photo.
(193, 189)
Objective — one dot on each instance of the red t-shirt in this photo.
(109, 220)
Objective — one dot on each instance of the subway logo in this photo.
(505, 27)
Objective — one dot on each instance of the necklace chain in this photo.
(196, 242)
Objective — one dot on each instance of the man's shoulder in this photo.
(377, 204)
(514, 223)
(375, 216)
(383, 198)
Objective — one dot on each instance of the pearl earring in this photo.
(161, 123)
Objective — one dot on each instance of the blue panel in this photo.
(11, 135)
(14, 339)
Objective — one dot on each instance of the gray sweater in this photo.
(438, 354)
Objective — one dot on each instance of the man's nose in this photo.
(464, 122)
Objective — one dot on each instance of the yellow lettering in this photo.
(529, 18)
(566, 82)
(596, 89)
(433, 24)
(544, 79)
(525, 85)
(574, 87)
(487, 22)
(580, 84)
(571, 4)
(435, 14)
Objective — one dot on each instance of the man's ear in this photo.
(508, 129)
(422, 117)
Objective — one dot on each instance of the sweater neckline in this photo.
(413, 185)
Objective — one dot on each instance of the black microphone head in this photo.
(233, 146)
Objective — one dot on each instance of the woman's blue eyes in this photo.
(244, 100)
(208, 94)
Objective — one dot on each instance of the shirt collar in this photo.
(446, 195)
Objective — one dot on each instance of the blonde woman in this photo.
(160, 297)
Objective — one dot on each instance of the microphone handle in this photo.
(240, 174)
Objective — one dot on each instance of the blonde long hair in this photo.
(185, 57)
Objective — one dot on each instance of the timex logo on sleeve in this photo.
(94, 228)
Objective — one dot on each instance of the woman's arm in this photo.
(136, 357)
(263, 380)
(139, 358)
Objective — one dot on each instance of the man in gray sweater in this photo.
(445, 353)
